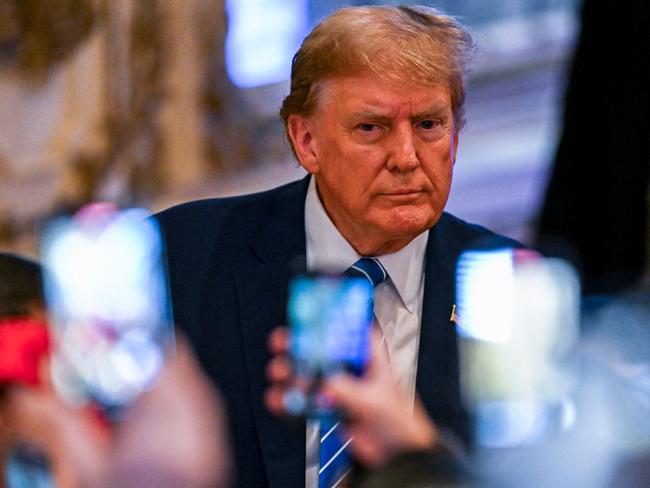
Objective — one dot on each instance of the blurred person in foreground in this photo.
(605, 234)
(162, 441)
(374, 116)
(26, 432)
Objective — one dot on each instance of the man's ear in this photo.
(302, 139)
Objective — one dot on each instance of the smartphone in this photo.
(330, 318)
(27, 467)
(108, 303)
(517, 326)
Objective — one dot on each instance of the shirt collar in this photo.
(406, 269)
(328, 249)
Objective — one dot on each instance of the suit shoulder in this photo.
(196, 214)
(467, 234)
(215, 206)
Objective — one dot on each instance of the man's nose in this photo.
(403, 155)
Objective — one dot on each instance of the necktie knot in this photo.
(369, 268)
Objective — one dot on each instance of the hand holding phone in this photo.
(330, 317)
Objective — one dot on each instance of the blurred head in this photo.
(375, 107)
(21, 293)
(21, 287)
(21, 344)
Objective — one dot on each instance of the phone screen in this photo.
(107, 298)
(330, 318)
(517, 325)
(27, 467)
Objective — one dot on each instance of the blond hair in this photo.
(412, 45)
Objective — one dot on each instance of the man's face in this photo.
(382, 155)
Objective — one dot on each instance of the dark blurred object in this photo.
(417, 469)
(633, 472)
(37, 34)
(20, 286)
(596, 210)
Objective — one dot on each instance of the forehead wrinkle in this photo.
(330, 89)
(377, 112)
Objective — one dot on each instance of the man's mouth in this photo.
(405, 191)
(404, 194)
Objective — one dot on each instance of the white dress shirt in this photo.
(397, 301)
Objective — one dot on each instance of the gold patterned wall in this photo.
(110, 99)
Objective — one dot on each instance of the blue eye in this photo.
(367, 127)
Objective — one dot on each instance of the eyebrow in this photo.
(384, 116)
(370, 115)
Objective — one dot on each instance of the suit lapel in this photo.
(262, 295)
(437, 375)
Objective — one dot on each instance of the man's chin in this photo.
(411, 220)
(408, 225)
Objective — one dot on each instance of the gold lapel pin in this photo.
(454, 316)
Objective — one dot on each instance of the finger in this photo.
(278, 341)
(182, 362)
(366, 448)
(343, 391)
(379, 362)
(274, 400)
(279, 370)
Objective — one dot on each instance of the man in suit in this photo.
(373, 115)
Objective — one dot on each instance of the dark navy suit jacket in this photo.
(229, 262)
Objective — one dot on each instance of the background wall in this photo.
(156, 102)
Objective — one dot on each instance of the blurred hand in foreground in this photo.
(73, 440)
(172, 436)
(378, 413)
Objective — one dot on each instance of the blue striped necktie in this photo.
(334, 458)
